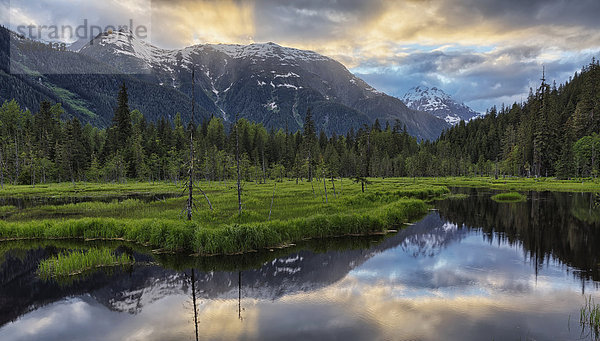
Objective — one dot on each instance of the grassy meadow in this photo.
(297, 213)
(513, 183)
(78, 261)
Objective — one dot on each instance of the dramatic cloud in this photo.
(484, 52)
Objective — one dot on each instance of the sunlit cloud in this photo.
(453, 44)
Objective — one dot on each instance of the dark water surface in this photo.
(473, 269)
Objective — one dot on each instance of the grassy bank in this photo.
(76, 262)
(298, 213)
(510, 184)
(88, 189)
(203, 238)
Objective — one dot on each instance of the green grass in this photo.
(589, 318)
(195, 236)
(77, 262)
(297, 214)
(454, 196)
(88, 189)
(512, 184)
(509, 197)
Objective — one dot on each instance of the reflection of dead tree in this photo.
(194, 303)
(240, 296)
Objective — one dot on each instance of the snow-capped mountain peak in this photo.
(438, 103)
(266, 50)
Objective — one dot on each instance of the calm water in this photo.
(471, 270)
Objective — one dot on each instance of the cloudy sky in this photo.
(483, 52)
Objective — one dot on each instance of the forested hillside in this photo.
(554, 133)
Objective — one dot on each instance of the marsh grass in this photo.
(79, 261)
(589, 318)
(88, 189)
(509, 197)
(297, 215)
(454, 196)
(511, 183)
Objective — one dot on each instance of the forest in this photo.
(554, 133)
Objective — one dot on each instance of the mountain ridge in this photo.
(263, 82)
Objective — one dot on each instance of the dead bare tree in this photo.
(272, 199)
(190, 201)
(333, 184)
(237, 158)
(325, 187)
(190, 185)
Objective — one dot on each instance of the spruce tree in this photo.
(122, 119)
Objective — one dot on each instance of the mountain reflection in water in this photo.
(474, 270)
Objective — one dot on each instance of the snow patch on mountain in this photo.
(268, 50)
(438, 103)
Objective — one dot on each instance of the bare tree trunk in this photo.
(325, 187)
(237, 157)
(272, 199)
(32, 173)
(333, 184)
(1, 170)
(310, 175)
(16, 159)
(263, 167)
(190, 201)
(593, 159)
(313, 189)
(206, 197)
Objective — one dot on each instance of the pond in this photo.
(472, 269)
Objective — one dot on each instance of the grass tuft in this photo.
(589, 318)
(77, 262)
(509, 197)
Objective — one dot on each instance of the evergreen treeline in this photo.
(555, 133)
(40, 147)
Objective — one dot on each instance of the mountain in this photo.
(265, 83)
(436, 102)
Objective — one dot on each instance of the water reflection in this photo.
(474, 270)
(549, 225)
